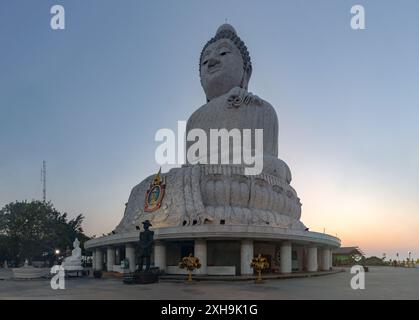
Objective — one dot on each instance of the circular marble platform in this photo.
(222, 232)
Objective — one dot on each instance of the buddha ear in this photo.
(246, 78)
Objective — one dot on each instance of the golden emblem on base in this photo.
(155, 193)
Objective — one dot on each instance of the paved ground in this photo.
(381, 283)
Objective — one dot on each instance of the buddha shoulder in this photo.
(240, 107)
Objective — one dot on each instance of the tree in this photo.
(33, 230)
(374, 261)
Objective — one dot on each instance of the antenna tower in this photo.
(44, 180)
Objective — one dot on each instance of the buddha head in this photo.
(224, 63)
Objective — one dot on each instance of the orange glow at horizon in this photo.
(371, 216)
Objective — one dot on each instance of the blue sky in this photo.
(89, 100)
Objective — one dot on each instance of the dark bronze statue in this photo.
(145, 246)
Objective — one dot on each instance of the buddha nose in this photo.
(213, 62)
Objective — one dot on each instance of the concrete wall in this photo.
(174, 251)
(223, 253)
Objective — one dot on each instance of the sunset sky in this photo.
(89, 100)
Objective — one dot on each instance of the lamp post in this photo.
(57, 253)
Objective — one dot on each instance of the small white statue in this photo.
(76, 252)
(73, 262)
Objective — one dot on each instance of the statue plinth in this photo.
(145, 277)
(141, 277)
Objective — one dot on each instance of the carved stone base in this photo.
(128, 278)
(140, 278)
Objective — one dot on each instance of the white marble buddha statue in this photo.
(207, 193)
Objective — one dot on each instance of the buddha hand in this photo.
(238, 96)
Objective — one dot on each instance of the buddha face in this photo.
(221, 68)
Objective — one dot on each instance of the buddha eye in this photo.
(224, 53)
(205, 62)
